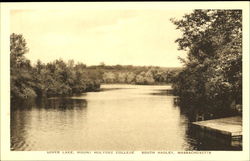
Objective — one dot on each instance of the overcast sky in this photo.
(126, 37)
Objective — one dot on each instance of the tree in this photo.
(213, 69)
(130, 79)
(51, 79)
(109, 77)
(21, 80)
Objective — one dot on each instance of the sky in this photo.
(125, 37)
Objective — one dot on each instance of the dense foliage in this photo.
(60, 78)
(21, 83)
(51, 79)
(144, 75)
(212, 77)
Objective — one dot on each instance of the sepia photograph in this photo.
(125, 79)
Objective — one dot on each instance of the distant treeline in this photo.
(144, 75)
(67, 78)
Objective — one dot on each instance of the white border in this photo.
(6, 154)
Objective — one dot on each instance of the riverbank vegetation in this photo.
(143, 75)
(59, 78)
(211, 81)
(51, 79)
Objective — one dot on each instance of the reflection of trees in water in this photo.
(17, 104)
(200, 110)
(34, 116)
(111, 89)
(200, 140)
(59, 103)
(66, 104)
(17, 137)
(166, 92)
(196, 138)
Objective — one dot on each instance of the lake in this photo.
(118, 117)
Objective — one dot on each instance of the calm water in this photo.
(119, 117)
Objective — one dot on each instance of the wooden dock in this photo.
(229, 128)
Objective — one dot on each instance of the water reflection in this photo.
(167, 92)
(210, 141)
(58, 103)
(200, 140)
(119, 117)
(37, 123)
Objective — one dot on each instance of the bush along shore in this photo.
(211, 80)
(59, 78)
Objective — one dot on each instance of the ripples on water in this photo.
(119, 117)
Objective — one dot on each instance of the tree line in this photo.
(60, 78)
(51, 79)
(142, 75)
(212, 77)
